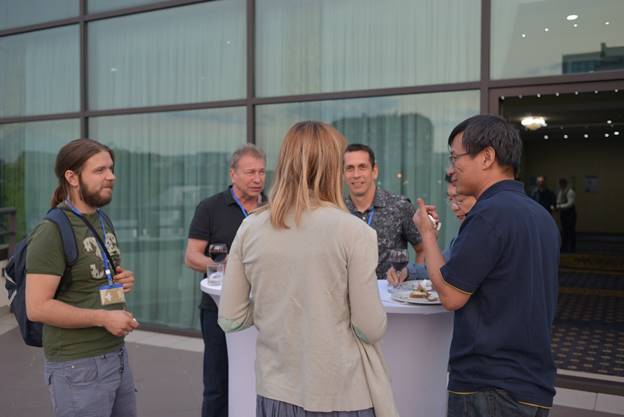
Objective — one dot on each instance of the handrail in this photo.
(8, 230)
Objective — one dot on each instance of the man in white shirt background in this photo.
(566, 198)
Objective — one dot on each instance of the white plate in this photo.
(407, 299)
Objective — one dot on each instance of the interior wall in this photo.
(599, 211)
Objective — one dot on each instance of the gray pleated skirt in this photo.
(266, 407)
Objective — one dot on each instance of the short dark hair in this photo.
(360, 147)
(563, 182)
(482, 131)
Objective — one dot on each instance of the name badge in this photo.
(112, 294)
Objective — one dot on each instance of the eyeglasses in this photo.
(454, 202)
(454, 158)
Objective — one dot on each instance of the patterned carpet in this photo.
(588, 334)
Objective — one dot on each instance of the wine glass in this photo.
(218, 252)
(398, 260)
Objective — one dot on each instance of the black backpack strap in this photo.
(108, 221)
(97, 237)
(66, 231)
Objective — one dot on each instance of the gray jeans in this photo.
(99, 386)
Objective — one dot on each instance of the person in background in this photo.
(216, 220)
(302, 270)
(500, 280)
(460, 205)
(543, 195)
(389, 214)
(83, 307)
(566, 205)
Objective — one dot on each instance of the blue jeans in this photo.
(491, 403)
(99, 386)
(215, 402)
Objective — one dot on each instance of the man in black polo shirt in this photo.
(501, 279)
(216, 220)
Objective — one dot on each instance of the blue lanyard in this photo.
(107, 269)
(238, 202)
(370, 215)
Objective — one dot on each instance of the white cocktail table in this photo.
(416, 348)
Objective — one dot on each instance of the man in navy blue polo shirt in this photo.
(216, 220)
(501, 279)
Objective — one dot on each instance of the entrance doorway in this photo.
(576, 132)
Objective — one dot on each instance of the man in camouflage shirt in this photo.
(389, 214)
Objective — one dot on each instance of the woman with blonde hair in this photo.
(302, 270)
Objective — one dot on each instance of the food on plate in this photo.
(418, 293)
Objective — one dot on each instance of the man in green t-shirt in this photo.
(82, 307)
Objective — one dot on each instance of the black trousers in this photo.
(568, 229)
(215, 402)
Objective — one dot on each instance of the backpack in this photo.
(15, 274)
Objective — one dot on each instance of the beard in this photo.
(93, 198)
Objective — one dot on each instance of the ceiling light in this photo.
(606, 135)
(572, 17)
(546, 29)
(502, 97)
(609, 122)
(533, 123)
(576, 93)
(575, 25)
(523, 35)
(546, 137)
(607, 23)
(557, 94)
(586, 136)
(595, 91)
(565, 136)
(616, 133)
(539, 95)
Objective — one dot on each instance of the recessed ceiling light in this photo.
(607, 23)
(616, 133)
(546, 29)
(539, 95)
(576, 93)
(606, 135)
(565, 136)
(523, 35)
(586, 136)
(533, 122)
(572, 17)
(609, 122)
(546, 137)
(575, 25)
(557, 94)
(616, 90)
(502, 97)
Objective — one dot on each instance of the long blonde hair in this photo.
(308, 173)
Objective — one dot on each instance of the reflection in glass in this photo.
(15, 13)
(181, 55)
(534, 38)
(407, 133)
(27, 155)
(39, 72)
(327, 45)
(165, 164)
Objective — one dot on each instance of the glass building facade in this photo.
(175, 86)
